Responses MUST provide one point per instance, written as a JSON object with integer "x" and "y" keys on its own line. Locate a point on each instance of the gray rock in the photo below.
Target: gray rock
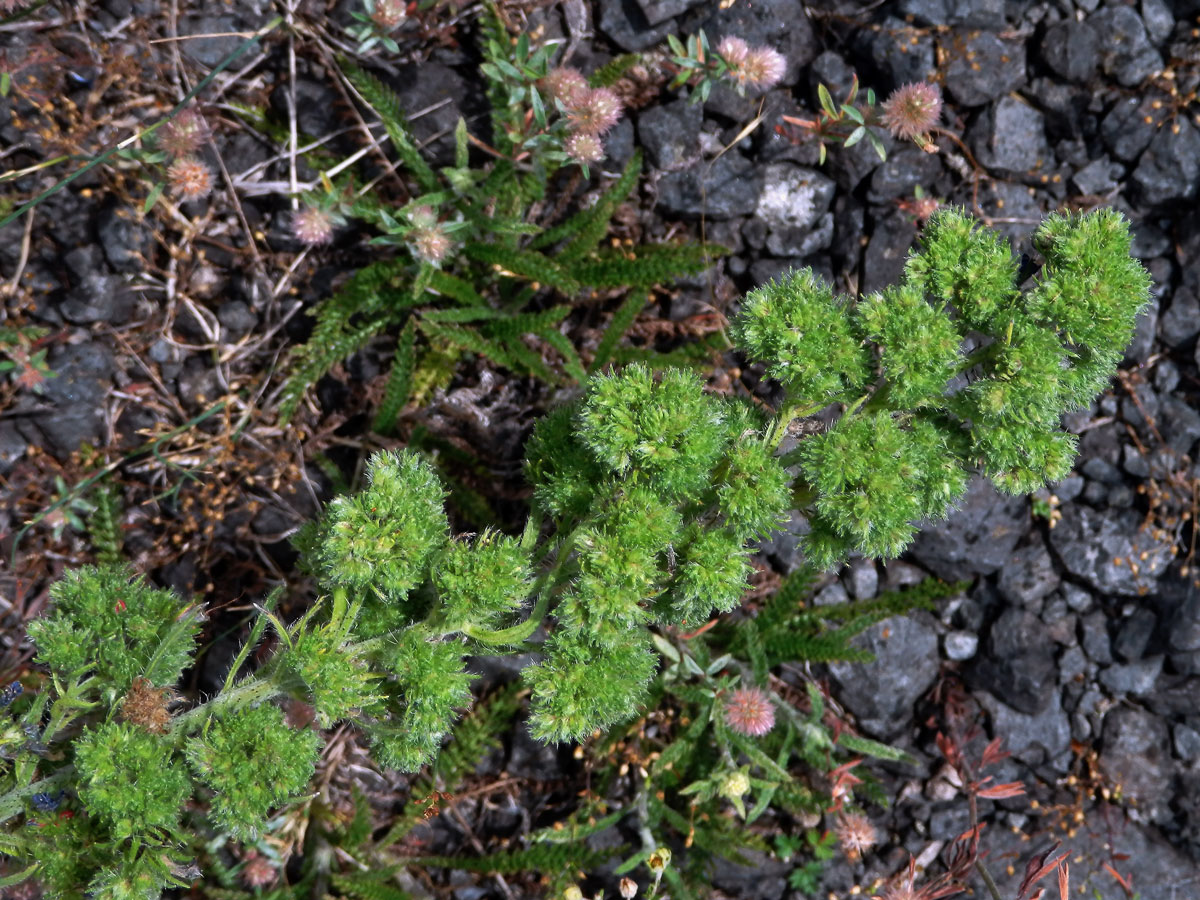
{"x": 1096, "y": 643}
{"x": 670, "y": 133}
{"x": 886, "y": 251}
{"x": 902, "y": 52}
{"x": 1186, "y": 741}
{"x": 801, "y": 242}
{"x": 1134, "y": 634}
{"x": 1098, "y": 177}
{"x": 881, "y": 693}
{"x": 1125, "y": 128}
{"x": 899, "y": 574}
{"x": 978, "y": 538}
{"x": 124, "y": 239}
{"x": 949, "y": 821}
{"x": 75, "y": 396}
{"x": 1019, "y": 665}
{"x": 783, "y": 545}
{"x": 208, "y": 51}
{"x": 626, "y": 24}
{"x": 1158, "y": 19}
{"x": 831, "y": 595}
{"x": 793, "y": 206}
{"x": 1179, "y": 423}
{"x": 441, "y": 90}
{"x": 1033, "y": 739}
{"x": 1072, "y": 665}
{"x": 1102, "y": 547}
{"x": 1184, "y": 630}
{"x": 728, "y": 188}
{"x": 1140, "y": 346}
{"x": 1061, "y": 624}
{"x": 960, "y": 645}
{"x": 1010, "y": 136}
{"x": 98, "y": 297}
{"x": 1077, "y": 598}
{"x": 1166, "y": 376}
{"x": 237, "y": 319}
{"x": 976, "y": 13}
{"x": 904, "y": 170}
{"x": 533, "y": 759}
{"x": 983, "y": 67}
{"x": 1071, "y": 49}
{"x": 1135, "y": 678}
{"x": 1028, "y": 576}
{"x": 1135, "y": 755}
{"x": 1125, "y": 49}
{"x": 317, "y": 110}
{"x": 862, "y": 579}
{"x": 1181, "y": 322}
{"x": 1169, "y": 168}
{"x": 1101, "y": 470}
{"x": 658, "y": 11}
{"x": 763, "y": 877}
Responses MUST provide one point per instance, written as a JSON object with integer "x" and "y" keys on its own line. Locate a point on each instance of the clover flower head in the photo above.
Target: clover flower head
{"x": 593, "y": 111}
{"x": 764, "y": 67}
{"x": 258, "y": 871}
{"x": 749, "y": 711}
{"x": 430, "y": 244}
{"x": 563, "y": 83}
{"x": 312, "y": 226}
{"x": 912, "y": 110}
{"x": 733, "y": 50}
{"x": 387, "y": 14}
{"x": 190, "y": 178}
{"x": 855, "y": 833}
{"x": 184, "y": 134}
{"x": 584, "y": 148}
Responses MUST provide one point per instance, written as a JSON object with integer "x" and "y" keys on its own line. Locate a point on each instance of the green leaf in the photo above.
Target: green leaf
{"x": 155, "y": 192}
{"x": 399, "y": 384}
{"x": 634, "y": 302}
{"x": 853, "y": 113}
{"x": 460, "y": 144}
{"x": 827, "y": 102}
{"x": 856, "y": 135}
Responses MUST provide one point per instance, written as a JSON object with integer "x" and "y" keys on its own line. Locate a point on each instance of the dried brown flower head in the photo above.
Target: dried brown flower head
{"x": 147, "y": 706}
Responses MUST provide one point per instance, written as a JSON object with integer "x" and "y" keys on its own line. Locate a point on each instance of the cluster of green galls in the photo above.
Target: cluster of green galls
{"x": 924, "y": 410}
{"x": 648, "y": 496}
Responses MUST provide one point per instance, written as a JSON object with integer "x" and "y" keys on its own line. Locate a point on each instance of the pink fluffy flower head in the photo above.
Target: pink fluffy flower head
{"x": 184, "y": 134}
{"x": 584, "y": 148}
{"x": 593, "y": 111}
{"x": 312, "y": 226}
{"x": 389, "y": 13}
{"x": 563, "y": 83}
{"x": 855, "y": 833}
{"x": 749, "y": 711}
{"x": 764, "y": 67}
{"x": 912, "y": 110}
{"x": 189, "y": 178}
{"x": 430, "y": 244}
{"x": 258, "y": 871}
{"x": 733, "y": 50}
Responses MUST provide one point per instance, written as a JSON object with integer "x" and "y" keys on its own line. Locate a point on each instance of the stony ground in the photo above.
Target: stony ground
{"x": 1079, "y": 637}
